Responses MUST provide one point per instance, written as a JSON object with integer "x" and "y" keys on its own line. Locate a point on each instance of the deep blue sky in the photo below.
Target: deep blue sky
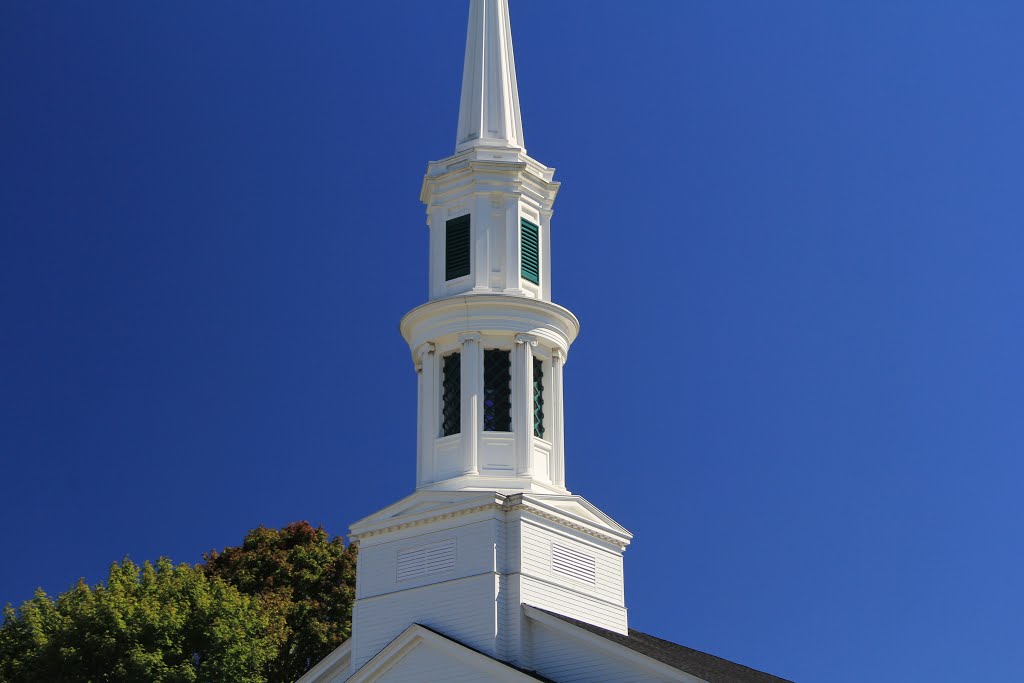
{"x": 792, "y": 232}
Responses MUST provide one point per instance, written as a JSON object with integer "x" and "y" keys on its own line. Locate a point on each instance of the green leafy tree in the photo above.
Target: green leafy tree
{"x": 307, "y": 578}
{"x": 162, "y": 623}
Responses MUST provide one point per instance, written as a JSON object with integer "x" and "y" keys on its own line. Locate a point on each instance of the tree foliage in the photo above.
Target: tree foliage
{"x": 263, "y": 612}
{"x": 307, "y": 578}
{"x": 161, "y": 623}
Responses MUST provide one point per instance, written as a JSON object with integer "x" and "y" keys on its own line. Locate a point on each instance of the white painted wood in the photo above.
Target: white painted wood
{"x": 489, "y": 111}
{"x": 464, "y": 609}
{"x": 568, "y": 654}
{"x": 334, "y": 668}
{"x": 418, "y": 655}
{"x": 493, "y": 553}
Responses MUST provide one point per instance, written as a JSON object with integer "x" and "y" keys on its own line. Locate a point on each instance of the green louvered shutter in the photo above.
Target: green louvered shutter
{"x": 530, "y": 235}
{"x": 456, "y": 248}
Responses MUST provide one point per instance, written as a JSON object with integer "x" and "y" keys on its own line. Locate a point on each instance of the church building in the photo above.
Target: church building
{"x": 492, "y": 570}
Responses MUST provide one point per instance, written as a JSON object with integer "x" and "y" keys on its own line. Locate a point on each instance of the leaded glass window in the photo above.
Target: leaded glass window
{"x": 456, "y": 248}
{"x": 497, "y": 390}
{"x": 451, "y": 395}
{"x": 530, "y": 235}
{"x": 538, "y": 398}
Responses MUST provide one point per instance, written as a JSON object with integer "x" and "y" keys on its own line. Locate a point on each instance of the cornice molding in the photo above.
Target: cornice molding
{"x": 514, "y": 503}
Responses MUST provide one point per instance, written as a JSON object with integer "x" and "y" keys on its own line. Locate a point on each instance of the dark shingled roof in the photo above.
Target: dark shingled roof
{"x": 700, "y": 664}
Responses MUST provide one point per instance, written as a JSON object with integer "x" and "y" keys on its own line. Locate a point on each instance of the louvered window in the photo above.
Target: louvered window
{"x": 451, "y": 395}
{"x": 538, "y": 398}
{"x": 497, "y": 390}
{"x": 456, "y": 248}
{"x": 573, "y": 563}
{"x": 432, "y": 558}
{"x": 530, "y": 235}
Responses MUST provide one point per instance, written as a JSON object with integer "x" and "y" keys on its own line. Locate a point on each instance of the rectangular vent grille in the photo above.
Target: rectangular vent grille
{"x": 456, "y": 248}
{"x": 432, "y": 558}
{"x": 580, "y": 566}
{"x": 531, "y": 251}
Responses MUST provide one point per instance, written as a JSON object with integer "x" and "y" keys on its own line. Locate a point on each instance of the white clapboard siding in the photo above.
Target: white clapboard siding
{"x": 604, "y": 583}
{"x": 464, "y": 609}
{"x": 568, "y": 660}
{"x": 424, "y": 664}
{"x": 472, "y": 553}
{"x": 555, "y": 598}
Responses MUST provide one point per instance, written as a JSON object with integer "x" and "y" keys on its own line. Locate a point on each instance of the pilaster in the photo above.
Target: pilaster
{"x": 522, "y": 397}
{"x": 545, "y": 254}
{"x": 427, "y": 418}
{"x": 556, "y": 425}
{"x": 472, "y": 396}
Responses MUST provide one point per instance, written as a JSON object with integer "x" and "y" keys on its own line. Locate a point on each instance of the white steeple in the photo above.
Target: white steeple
{"x": 490, "y": 344}
{"x": 491, "y": 525}
{"x": 489, "y": 111}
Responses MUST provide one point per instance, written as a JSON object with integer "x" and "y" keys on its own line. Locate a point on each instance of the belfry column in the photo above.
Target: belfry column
{"x": 557, "y": 410}
{"x": 522, "y": 393}
{"x": 472, "y": 396}
{"x": 427, "y": 418}
{"x": 513, "y": 255}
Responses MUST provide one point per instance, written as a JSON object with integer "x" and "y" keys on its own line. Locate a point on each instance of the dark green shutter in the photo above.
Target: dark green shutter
{"x": 530, "y": 235}
{"x": 451, "y": 395}
{"x": 456, "y": 248}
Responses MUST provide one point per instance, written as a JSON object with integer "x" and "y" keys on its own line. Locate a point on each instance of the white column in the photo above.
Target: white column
{"x": 522, "y": 402}
{"x": 545, "y": 255}
{"x": 513, "y": 251}
{"x": 472, "y": 396}
{"x": 437, "y": 220}
{"x": 555, "y": 421}
{"x": 426, "y": 415}
{"x": 480, "y": 235}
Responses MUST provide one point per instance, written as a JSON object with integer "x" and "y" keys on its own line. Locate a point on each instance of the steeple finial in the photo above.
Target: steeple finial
{"x": 489, "y": 112}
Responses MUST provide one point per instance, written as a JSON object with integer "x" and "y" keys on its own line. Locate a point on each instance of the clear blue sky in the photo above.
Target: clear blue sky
{"x": 792, "y": 232}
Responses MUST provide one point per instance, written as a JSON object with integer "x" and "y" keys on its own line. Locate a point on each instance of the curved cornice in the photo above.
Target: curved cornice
{"x": 498, "y": 313}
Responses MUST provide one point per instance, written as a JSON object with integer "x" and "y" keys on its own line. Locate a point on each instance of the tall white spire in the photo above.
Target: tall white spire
{"x": 489, "y": 111}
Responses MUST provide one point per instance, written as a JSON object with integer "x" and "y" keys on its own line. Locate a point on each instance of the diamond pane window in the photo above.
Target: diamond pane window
{"x": 451, "y": 395}
{"x": 456, "y": 248}
{"x": 497, "y": 390}
{"x": 538, "y": 398}
{"x": 530, "y": 235}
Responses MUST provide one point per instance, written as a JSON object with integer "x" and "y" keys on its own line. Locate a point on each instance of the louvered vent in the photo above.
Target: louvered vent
{"x": 456, "y": 248}
{"x": 531, "y": 251}
{"x": 580, "y": 566}
{"x": 432, "y": 558}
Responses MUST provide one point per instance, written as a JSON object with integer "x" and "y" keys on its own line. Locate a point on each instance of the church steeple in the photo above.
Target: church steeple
{"x": 491, "y": 525}
{"x": 490, "y": 344}
{"x": 489, "y": 111}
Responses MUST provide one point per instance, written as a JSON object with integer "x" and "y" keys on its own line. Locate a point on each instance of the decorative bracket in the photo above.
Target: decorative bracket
{"x": 424, "y": 349}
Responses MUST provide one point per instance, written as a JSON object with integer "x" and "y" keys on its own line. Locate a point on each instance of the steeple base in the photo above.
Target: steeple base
{"x": 463, "y": 563}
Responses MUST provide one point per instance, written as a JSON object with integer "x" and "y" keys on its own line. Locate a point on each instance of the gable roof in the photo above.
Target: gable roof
{"x": 694, "y": 662}
{"x": 418, "y": 638}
